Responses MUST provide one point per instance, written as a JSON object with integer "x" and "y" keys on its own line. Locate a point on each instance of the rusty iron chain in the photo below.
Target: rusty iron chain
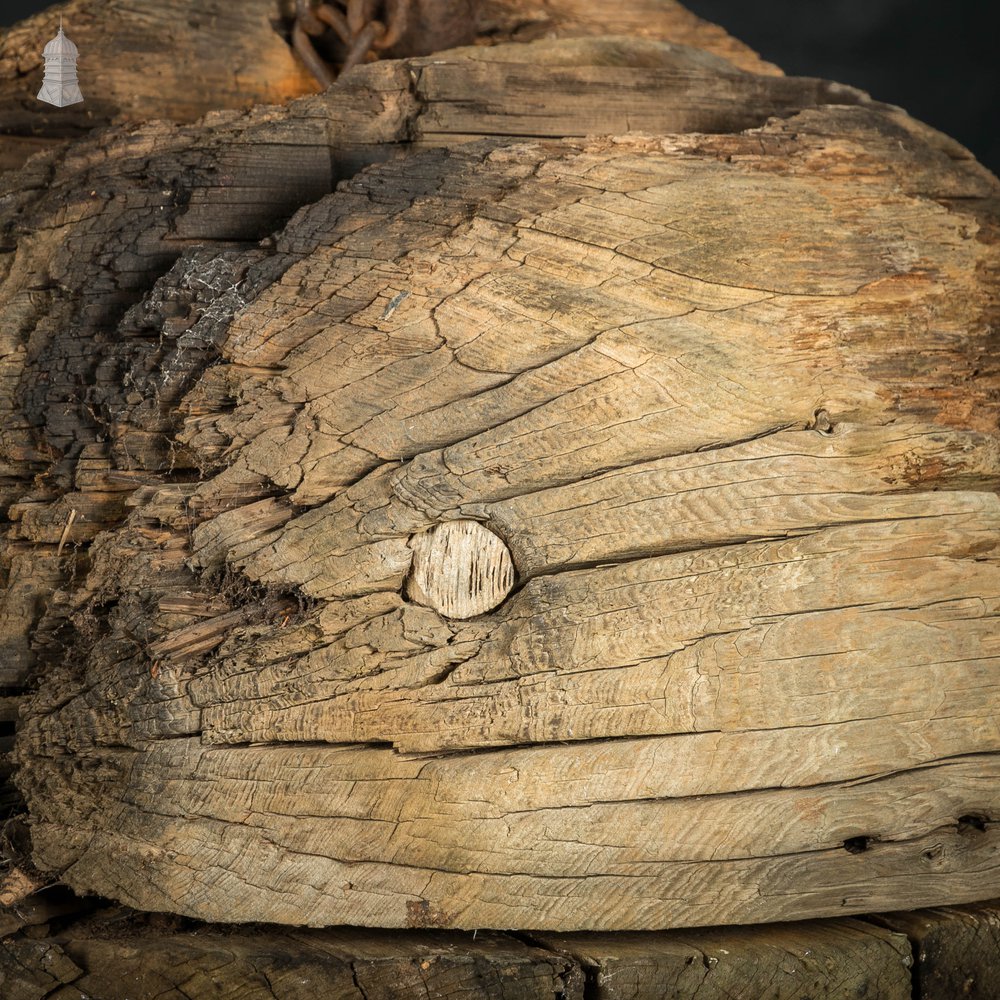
{"x": 365, "y": 27}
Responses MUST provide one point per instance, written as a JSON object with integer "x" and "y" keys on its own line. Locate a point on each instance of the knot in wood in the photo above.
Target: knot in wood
{"x": 460, "y": 568}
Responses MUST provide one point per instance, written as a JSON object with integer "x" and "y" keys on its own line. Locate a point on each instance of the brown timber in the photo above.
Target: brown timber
{"x": 723, "y": 389}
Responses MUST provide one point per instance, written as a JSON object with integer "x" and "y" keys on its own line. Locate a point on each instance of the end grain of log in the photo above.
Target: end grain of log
{"x": 460, "y": 568}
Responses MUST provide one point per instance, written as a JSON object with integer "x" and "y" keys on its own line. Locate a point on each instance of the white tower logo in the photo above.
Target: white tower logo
{"x": 59, "y": 87}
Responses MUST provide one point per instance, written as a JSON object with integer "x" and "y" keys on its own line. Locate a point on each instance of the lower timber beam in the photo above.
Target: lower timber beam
{"x": 956, "y": 950}
{"x": 114, "y": 953}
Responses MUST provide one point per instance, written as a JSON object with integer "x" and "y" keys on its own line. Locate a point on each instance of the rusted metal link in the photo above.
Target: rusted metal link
{"x": 356, "y": 25}
{"x": 359, "y": 13}
{"x": 397, "y": 17}
{"x": 362, "y": 44}
{"x": 309, "y": 55}
{"x": 336, "y": 20}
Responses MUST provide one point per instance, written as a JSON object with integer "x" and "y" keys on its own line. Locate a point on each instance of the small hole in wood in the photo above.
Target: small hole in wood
{"x": 972, "y": 823}
{"x": 856, "y": 845}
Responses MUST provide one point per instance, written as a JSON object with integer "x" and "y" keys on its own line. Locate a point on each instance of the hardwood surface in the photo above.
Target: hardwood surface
{"x": 726, "y": 394}
{"x": 114, "y": 954}
{"x": 821, "y": 960}
{"x": 956, "y": 949}
{"x": 180, "y": 59}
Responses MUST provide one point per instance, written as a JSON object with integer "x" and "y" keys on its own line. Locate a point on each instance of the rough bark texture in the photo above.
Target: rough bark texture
{"x": 726, "y": 394}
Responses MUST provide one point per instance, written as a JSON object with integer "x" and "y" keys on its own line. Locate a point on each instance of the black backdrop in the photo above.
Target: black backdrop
{"x": 939, "y": 59}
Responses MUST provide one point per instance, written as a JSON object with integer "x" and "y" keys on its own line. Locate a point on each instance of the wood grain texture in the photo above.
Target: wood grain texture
{"x": 146, "y": 197}
{"x": 728, "y": 399}
{"x": 956, "y": 949}
{"x": 237, "y": 55}
{"x": 114, "y": 954}
{"x": 822, "y": 960}
{"x": 648, "y": 19}
{"x": 460, "y": 569}
{"x": 495, "y": 89}
{"x": 234, "y": 57}
{"x": 101, "y": 958}
{"x": 117, "y": 954}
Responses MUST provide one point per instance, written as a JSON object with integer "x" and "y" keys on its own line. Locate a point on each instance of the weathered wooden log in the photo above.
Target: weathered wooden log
{"x": 146, "y": 195}
{"x": 116, "y": 954}
{"x": 956, "y": 950}
{"x": 561, "y": 534}
{"x": 180, "y": 59}
{"x": 100, "y": 959}
{"x": 822, "y": 960}
{"x": 232, "y": 57}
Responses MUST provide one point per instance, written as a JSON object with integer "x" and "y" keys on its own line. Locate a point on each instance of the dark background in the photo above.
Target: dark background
{"x": 939, "y": 59}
